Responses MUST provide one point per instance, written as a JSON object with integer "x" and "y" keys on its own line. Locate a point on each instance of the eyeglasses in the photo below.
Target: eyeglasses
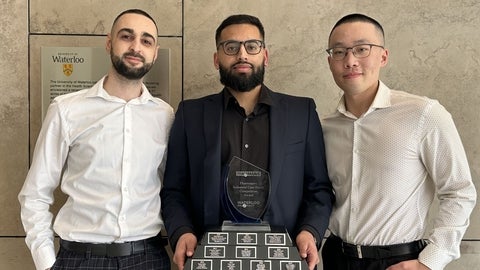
{"x": 359, "y": 51}
{"x": 232, "y": 47}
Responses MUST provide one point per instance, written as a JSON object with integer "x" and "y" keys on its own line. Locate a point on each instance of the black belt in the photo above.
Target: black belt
{"x": 379, "y": 252}
{"x": 113, "y": 249}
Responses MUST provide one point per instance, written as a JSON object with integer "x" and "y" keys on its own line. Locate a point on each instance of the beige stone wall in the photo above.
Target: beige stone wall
{"x": 434, "y": 51}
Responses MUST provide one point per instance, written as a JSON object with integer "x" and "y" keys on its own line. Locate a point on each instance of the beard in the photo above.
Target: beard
{"x": 130, "y": 72}
{"x": 241, "y": 82}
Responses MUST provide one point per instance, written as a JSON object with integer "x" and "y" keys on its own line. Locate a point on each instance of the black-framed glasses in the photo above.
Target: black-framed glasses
{"x": 232, "y": 47}
{"x": 359, "y": 51}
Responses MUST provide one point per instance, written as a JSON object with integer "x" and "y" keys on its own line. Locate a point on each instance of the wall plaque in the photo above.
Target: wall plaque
{"x": 69, "y": 69}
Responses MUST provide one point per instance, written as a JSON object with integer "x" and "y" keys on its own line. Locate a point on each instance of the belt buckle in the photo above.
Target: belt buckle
{"x": 359, "y": 251}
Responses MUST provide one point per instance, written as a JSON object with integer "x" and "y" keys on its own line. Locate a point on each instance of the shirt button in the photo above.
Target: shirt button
{"x": 246, "y": 145}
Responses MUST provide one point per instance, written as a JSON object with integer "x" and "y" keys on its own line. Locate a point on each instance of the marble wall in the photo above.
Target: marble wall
{"x": 433, "y": 51}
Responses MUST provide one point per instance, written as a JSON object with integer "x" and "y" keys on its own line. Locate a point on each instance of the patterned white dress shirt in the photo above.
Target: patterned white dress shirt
{"x": 386, "y": 167}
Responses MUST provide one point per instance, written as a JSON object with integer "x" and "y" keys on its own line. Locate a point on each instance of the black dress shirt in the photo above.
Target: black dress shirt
{"x": 246, "y": 136}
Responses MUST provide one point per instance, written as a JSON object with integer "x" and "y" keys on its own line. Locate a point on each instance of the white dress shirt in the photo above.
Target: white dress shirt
{"x": 385, "y": 167}
{"x": 109, "y": 156}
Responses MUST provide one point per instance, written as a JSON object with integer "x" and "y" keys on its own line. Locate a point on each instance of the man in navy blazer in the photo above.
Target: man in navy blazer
{"x": 277, "y": 132}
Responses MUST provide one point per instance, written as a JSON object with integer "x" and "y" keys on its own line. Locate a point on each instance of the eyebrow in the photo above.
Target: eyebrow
{"x": 129, "y": 30}
{"x": 356, "y": 42}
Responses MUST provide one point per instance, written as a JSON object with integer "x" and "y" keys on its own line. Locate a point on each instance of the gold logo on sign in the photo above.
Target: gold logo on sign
{"x": 67, "y": 69}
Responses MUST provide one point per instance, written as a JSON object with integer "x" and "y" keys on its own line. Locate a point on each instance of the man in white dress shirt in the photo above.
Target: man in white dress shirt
{"x": 388, "y": 154}
{"x": 106, "y": 148}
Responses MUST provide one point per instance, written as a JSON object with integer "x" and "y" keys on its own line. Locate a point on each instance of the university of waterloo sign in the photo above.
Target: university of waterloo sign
{"x": 69, "y": 69}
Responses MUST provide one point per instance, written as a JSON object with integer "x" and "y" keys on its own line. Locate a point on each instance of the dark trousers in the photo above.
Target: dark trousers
{"x": 334, "y": 259}
{"x": 153, "y": 258}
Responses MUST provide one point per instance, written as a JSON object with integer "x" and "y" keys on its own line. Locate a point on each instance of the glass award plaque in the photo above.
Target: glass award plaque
{"x": 247, "y": 191}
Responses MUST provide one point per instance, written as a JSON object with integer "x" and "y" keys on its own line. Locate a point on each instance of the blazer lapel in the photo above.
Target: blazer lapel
{"x": 212, "y": 120}
{"x": 278, "y": 128}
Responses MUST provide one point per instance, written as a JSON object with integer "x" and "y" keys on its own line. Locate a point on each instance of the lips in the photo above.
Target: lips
{"x": 352, "y": 75}
{"x": 243, "y": 67}
{"x": 134, "y": 59}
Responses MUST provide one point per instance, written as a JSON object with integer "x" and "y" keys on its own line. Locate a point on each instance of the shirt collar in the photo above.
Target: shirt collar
{"x": 264, "y": 98}
{"x": 381, "y": 100}
{"x": 97, "y": 90}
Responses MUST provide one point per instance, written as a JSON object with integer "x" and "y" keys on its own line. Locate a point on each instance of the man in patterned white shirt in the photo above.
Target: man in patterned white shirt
{"x": 388, "y": 154}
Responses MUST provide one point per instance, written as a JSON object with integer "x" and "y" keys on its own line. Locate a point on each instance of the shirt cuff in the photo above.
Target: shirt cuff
{"x": 44, "y": 257}
{"x": 434, "y": 258}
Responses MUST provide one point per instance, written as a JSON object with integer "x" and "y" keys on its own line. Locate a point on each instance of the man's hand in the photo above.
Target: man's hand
{"x": 307, "y": 249}
{"x": 408, "y": 265}
{"x": 185, "y": 247}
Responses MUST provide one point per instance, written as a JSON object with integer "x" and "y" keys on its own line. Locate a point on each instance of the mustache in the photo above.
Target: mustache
{"x": 133, "y": 54}
{"x": 242, "y": 63}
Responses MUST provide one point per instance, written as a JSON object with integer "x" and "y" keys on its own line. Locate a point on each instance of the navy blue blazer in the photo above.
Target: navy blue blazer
{"x": 301, "y": 192}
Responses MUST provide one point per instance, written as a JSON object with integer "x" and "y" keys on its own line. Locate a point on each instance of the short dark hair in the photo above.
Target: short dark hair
{"x": 239, "y": 19}
{"x": 357, "y": 17}
{"x": 135, "y": 11}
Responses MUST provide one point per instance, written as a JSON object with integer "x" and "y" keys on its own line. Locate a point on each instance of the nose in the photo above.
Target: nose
{"x": 135, "y": 45}
{"x": 242, "y": 52}
{"x": 350, "y": 60}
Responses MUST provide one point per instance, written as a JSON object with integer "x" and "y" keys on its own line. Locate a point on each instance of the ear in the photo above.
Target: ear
{"x": 215, "y": 61}
{"x": 156, "y": 54}
{"x": 384, "y": 60}
{"x": 330, "y": 63}
{"x": 265, "y": 58}
{"x": 108, "y": 43}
